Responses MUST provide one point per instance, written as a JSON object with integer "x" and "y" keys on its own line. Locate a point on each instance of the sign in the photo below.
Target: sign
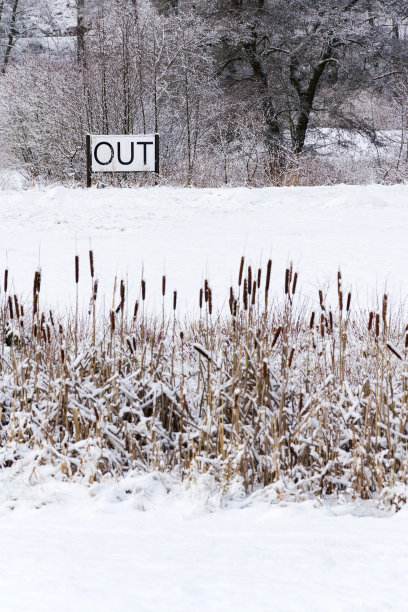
{"x": 126, "y": 153}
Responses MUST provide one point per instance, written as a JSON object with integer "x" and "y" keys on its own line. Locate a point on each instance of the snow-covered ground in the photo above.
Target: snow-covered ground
{"x": 147, "y": 543}
{"x": 191, "y": 233}
{"x": 98, "y": 550}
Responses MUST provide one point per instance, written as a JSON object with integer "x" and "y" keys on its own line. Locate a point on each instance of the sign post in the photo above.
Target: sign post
{"x": 122, "y": 153}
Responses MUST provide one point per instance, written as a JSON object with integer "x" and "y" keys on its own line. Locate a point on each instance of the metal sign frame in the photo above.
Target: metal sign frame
{"x": 89, "y": 170}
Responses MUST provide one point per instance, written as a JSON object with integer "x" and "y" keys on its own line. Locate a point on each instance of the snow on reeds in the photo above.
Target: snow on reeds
{"x": 272, "y": 392}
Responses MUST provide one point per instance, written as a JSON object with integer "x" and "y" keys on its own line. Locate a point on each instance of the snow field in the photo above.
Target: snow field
{"x": 190, "y": 234}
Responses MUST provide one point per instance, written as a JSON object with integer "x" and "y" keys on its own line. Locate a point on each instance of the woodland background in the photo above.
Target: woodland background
{"x": 242, "y": 92}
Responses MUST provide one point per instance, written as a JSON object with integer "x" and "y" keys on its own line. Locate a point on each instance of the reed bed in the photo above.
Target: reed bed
{"x": 272, "y": 393}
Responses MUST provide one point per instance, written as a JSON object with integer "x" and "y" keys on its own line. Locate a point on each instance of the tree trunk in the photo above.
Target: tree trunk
{"x": 273, "y": 134}
{"x": 81, "y": 32}
{"x": 11, "y": 36}
{"x": 306, "y": 94}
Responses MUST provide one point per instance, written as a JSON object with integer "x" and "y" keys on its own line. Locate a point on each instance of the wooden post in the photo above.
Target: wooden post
{"x": 156, "y": 157}
{"x": 88, "y": 161}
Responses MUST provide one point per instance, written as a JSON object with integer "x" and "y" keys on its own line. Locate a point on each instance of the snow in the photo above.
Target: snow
{"x": 98, "y": 550}
{"x": 161, "y": 546}
{"x": 190, "y": 234}
{"x": 148, "y": 542}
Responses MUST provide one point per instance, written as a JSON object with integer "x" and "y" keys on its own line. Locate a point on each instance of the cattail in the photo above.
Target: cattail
{"x": 377, "y": 325}
{"x": 241, "y": 270}
{"x": 35, "y": 283}
{"x": 287, "y": 280}
{"x": 35, "y": 303}
{"x": 249, "y": 280}
{"x": 331, "y": 321}
{"x": 292, "y": 352}
{"x": 10, "y": 305}
{"x": 122, "y": 293}
{"x": 163, "y": 285}
{"x": 136, "y": 308}
{"x": 16, "y": 306}
{"x": 209, "y": 301}
{"x": 231, "y": 301}
{"x": 264, "y": 369}
{"x": 200, "y": 299}
{"x": 42, "y": 319}
{"x": 268, "y": 277}
{"x": 348, "y": 301}
{"x": 312, "y": 318}
{"x": 60, "y": 329}
{"x": 294, "y": 283}
{"x": 259, "y": 278}
{"x": 384, "y": 308}
{"x": 174, "y": 300}
{"x": 253, "y": 293}
{"x": 143, "y": 289}
{"x": 341, "y": 301}
{"x": 276, "y": 336}
{"x": 322, "y": 321}
{"x": 130, "y": 347}
{"x": 370, "y": 320}
{"x": 5, "y": 280}
{"x": 181, "y": 336}
{"x": 77, "y": 269}
{"x": 206, "y": 290}
{"x": 48, "y": 333}
{"x": 22, "y": 310}
{"x": 321, "y": 299}
{"x": 112, "y": 321}
{"x": 91, "y": 263}
{"x": 338, "y": 281}
{"x": 95, "y": 289}
{"x": 245, "y": 294}
{"x": 406, "y": 340}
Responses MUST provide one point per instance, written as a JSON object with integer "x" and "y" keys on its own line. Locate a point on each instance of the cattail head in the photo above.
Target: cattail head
{"x": 384, "y": 308}
{"x": 377, "y": 325}
{"x": 143, "y": 289}
{"x": 241, "y": 271}
{"x": 174, "y": 300}
{"x": 10, "y": 305}
{"x": 253, "y": 293}
{"x": 209, "y": 301}
{"x": 245, "y": 294}
{"x": 112, "y": 321}
{"x": 200, "y": 299}
{"x": 312, "y": 318}
{"x": 348, "y": 301}
{"x": 77, "y": 269}
{"x": 16, "y": 306}
{"x": 370, "y": 320}
{"x": 95, "y": 289}
{"x": 276, "y": 336}
{"x": 321, "y": 300}
{"x": 164, "y": 285}
{"x": 268, "y": 276}
{"x": 122, "y": 292}
{"x": 91, "y": 263}
{"x": 206, "y": 290}
{"x": 259, "y": 278}
{"x": 294, "y": 283}
{"x": 287, "y": 281}
{"x": 135, "y": 310}
{"x": 249, "y": 280}
{"x": 5, "y": 280}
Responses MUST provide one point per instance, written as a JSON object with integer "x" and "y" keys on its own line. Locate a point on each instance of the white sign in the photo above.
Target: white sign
{"x": 134, "y": 153}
